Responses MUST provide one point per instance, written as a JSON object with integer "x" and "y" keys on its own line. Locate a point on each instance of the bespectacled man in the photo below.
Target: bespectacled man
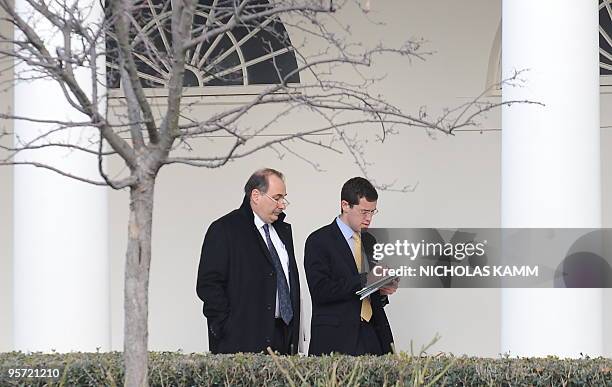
{"x": 247, "y": 277}
{"x": 337, "y": 258}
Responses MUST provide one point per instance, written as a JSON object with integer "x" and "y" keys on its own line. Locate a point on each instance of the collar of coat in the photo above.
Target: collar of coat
{"x": 246, "y": 210}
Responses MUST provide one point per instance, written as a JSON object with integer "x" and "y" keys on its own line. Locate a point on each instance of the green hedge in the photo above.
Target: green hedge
{"x": 177, "y": 369}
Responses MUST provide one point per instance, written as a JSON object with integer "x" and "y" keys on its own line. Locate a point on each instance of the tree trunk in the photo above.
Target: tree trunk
{"x": 136, "y": 297}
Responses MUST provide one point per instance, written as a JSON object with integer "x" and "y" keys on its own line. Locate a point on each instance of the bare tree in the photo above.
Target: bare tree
{"x": 142, "y": 46}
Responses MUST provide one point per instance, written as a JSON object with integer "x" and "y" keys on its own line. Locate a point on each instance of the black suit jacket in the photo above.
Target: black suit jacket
{"x": 237, "y": 282}
{"x": 333, "y": 280}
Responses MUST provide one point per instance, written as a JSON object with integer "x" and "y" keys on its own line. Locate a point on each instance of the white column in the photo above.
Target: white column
{"x": 551, "y": 163}
{"x": 61, "y": 265}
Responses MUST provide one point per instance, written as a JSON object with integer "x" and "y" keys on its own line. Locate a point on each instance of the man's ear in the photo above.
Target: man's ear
{"x": 344, "y": 205}
{"x": 255, "y": 195}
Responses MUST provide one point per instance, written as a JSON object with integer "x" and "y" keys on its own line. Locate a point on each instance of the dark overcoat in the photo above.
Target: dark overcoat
{"x": 237, "y": 283}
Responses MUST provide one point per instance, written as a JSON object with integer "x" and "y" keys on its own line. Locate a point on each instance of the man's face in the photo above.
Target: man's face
{"x": 360, "y": 215}
{"x": 269, "y": 205}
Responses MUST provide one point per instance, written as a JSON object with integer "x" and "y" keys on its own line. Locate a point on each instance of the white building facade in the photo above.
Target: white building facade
{"x": 528, "y": 166}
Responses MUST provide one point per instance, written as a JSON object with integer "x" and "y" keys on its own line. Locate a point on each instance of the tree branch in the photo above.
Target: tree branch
{"x": 120, "y": 20}
{"x": 119, "y": 185}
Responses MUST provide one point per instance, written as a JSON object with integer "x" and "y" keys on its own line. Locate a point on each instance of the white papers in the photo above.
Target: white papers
{"x": 369, "y": 289}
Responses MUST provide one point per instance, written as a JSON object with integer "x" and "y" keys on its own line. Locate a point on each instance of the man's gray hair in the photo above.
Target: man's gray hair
{"x": 259, "y": 180}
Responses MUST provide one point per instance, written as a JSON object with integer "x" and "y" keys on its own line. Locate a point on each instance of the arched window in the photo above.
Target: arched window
{"x": 259, "y": 52}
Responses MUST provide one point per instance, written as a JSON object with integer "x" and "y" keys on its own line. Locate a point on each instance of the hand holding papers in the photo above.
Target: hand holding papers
{"x": 375, "y": 283}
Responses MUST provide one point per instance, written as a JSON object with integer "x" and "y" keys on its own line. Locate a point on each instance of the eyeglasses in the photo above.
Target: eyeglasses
{"x": 280, "y": 201}
{"x": 367, "y": 212}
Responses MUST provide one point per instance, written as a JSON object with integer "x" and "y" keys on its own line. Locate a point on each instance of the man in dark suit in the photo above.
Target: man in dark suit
{"x": 248, "y": 276}
{"x": 336, "y": 259}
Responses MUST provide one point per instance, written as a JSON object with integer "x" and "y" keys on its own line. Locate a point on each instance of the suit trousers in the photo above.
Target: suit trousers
{"x": 368, "y": 342}
{"x": 281, "y": 339}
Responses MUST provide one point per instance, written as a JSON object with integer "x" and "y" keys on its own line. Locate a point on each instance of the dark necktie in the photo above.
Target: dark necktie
{"x": 284, "y": 299}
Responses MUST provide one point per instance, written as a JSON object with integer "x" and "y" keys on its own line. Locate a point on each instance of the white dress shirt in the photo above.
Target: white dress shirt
{"x": 349, "y": 236}
{"x": 280, "y": 249}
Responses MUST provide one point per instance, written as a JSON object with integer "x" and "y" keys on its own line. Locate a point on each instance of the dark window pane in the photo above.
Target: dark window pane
{"x": 190, "y": 79}
{"x": 605, "y": 22}
{"x": 229, "y": 62}
{"x": 267, "y": 72}
{"x": 234, "y": 78}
